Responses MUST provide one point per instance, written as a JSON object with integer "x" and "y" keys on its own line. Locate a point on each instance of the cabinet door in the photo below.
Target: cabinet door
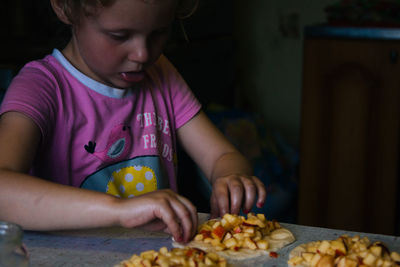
{"x": 350, "y": 135}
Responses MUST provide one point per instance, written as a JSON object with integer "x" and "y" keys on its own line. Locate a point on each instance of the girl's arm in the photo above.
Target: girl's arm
{"x": 230, "y": 174}
{"x": 37, "y": 204}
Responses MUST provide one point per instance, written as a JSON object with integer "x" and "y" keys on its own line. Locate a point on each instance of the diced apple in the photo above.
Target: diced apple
{"x": 213, "y": 256}
{"x": 229, "y": 243}
{"x": 312, "y": 247}
{"x": 363, "y": 254}
{"x": 351, "y": 263}
{"x": 307, "y": 256}
{"x": 326, "y": 261}
{"x": 249, "y": 243}
{"x": 216, "y": 224}
{"x": 295, "y": 261}
{"x": 228, "y": 235}
{"x": 249, "y": 230}
{"x": 208, "y": 261}
{"x": 198, "y": 237}
{"x": 330, "y": 251}
{"x": 225, "y": 223}
{"x": 387, "y": 263}
{"x": 205, "y": 233}
{"x": 379, "y": 262}
{"x": 237, "y": 229}
{"x": 215, "y": 242}
{"x": 232, "y": 219}
{"x": 376, "y": 250}
{"x": 146, "y": 263}
{"x": 315, "y": 259}
{"x": 362, "y": 247}
{"x": 262, "y": 244}
{"x": 261, "y": 217}
{"x": 324, "y": 246}
{"x": 150, "y": 254}
{"x": 369, "y": 259}
{"x": 339, "y": 246}
{"x": 341, "y": 261}
{"x": 276, "y": 225}
{"x": 255, "y": 221}
{"x": 238, "y": 236}
{"x": 218, "y": 232}
{"x": 395, "y": 256}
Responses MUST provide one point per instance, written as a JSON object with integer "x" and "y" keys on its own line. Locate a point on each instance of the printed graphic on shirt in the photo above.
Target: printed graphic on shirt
{"x": 153, "y": 140}
{"x": 132, "y": 181}
{"x": 118, "y": 145}
{"x": 129, "y": 178}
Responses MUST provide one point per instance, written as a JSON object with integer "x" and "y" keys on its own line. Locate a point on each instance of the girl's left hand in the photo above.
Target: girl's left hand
{"x": 232, "y": 192}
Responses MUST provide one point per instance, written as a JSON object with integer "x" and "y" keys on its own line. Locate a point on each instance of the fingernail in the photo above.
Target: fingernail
{"x": 246, "y": 211}
{"x": 260, "y": 204}
{"x": 180, "y": 239}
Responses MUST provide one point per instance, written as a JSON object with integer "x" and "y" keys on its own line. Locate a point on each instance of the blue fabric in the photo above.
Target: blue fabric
{"x": 6, "y": 76}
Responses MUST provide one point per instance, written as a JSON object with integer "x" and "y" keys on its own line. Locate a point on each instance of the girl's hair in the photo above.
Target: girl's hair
{"x": 73, "y": 8}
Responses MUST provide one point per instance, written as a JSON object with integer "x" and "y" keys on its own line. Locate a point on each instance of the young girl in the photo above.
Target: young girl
{"x": 88, "y": 134}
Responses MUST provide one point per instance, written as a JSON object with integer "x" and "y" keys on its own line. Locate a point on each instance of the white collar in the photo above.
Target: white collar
{"x": 89, "y": 82}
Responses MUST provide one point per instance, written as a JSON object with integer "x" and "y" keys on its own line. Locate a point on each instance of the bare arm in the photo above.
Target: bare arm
{"x": 234, "y": 185}
{"x": 42, "y": 205}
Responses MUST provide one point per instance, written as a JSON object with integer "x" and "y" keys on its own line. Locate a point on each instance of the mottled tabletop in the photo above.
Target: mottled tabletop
{"x": 109, "y": 246}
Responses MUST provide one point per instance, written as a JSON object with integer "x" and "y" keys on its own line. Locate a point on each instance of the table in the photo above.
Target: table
{"x": 109, "y": 246}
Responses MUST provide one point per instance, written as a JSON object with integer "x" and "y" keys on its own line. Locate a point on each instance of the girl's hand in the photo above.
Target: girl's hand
{"x": 232, "y": 192}
{"x": 161, "y": 210}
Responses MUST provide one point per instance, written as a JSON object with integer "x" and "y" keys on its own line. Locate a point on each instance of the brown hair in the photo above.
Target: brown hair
{"x": 74, "y": 8}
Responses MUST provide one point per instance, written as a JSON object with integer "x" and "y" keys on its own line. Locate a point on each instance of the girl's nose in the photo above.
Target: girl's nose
{"x": 138, "y": 51}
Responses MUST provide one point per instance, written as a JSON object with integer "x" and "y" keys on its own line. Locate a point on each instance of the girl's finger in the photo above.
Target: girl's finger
{"x": 250, "y": 193}
{"x": 193, "y": 213}
{"x": 184, "y": 217}
{"x": 236, "y": 191}
{"x": 167, "y": 214}
{"x": 261, "y": 191}
{"x": 214, "y": 213}
{"x": 222, "y": 197}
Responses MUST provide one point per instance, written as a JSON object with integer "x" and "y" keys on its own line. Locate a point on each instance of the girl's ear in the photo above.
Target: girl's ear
{"x": 59, "y": 9}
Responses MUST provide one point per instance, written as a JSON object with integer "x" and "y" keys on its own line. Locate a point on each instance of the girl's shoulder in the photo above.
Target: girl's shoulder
{"x": 47, "y": 67}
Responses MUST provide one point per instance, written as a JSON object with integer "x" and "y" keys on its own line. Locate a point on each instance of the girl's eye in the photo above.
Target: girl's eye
{"x": 118, "y": 36}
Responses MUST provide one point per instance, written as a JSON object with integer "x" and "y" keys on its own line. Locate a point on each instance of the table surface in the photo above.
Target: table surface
{"x": 109, "y": 246}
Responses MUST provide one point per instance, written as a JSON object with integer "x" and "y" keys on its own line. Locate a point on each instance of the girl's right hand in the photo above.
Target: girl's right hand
{"x": 161, "y": 210}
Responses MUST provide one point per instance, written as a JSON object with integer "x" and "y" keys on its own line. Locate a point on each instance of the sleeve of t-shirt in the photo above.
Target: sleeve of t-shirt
{"x": 32, "y": 93}
{"x": 185, "y": 104}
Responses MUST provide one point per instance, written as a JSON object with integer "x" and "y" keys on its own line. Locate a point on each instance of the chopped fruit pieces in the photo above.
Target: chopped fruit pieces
{"x": 344, "y": 251}
{"x": 176, "y": 257}
{"x": 218, "y": 232}
{"x": 273, "y": 254}
{"x": 234, "y": 232}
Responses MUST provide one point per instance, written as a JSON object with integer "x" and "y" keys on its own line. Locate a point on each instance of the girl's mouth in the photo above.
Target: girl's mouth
{"x": 133, "y": 76}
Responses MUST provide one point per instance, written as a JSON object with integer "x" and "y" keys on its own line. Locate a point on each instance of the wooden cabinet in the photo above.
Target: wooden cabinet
{"x": 349, "y": 174}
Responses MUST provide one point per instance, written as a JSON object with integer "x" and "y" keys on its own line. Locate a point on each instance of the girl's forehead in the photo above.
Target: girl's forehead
{"x": 136, "y": 13}
{"x": 155, "y": 2}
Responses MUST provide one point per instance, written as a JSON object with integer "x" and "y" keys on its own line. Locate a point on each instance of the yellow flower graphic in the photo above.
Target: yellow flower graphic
{"x": 132, "y": 181}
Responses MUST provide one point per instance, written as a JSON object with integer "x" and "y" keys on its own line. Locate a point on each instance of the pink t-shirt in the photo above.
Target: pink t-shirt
{"x": 122, "y": 142}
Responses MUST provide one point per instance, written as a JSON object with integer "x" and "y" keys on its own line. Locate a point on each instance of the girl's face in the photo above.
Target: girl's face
{"x": 119, "y": 42}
